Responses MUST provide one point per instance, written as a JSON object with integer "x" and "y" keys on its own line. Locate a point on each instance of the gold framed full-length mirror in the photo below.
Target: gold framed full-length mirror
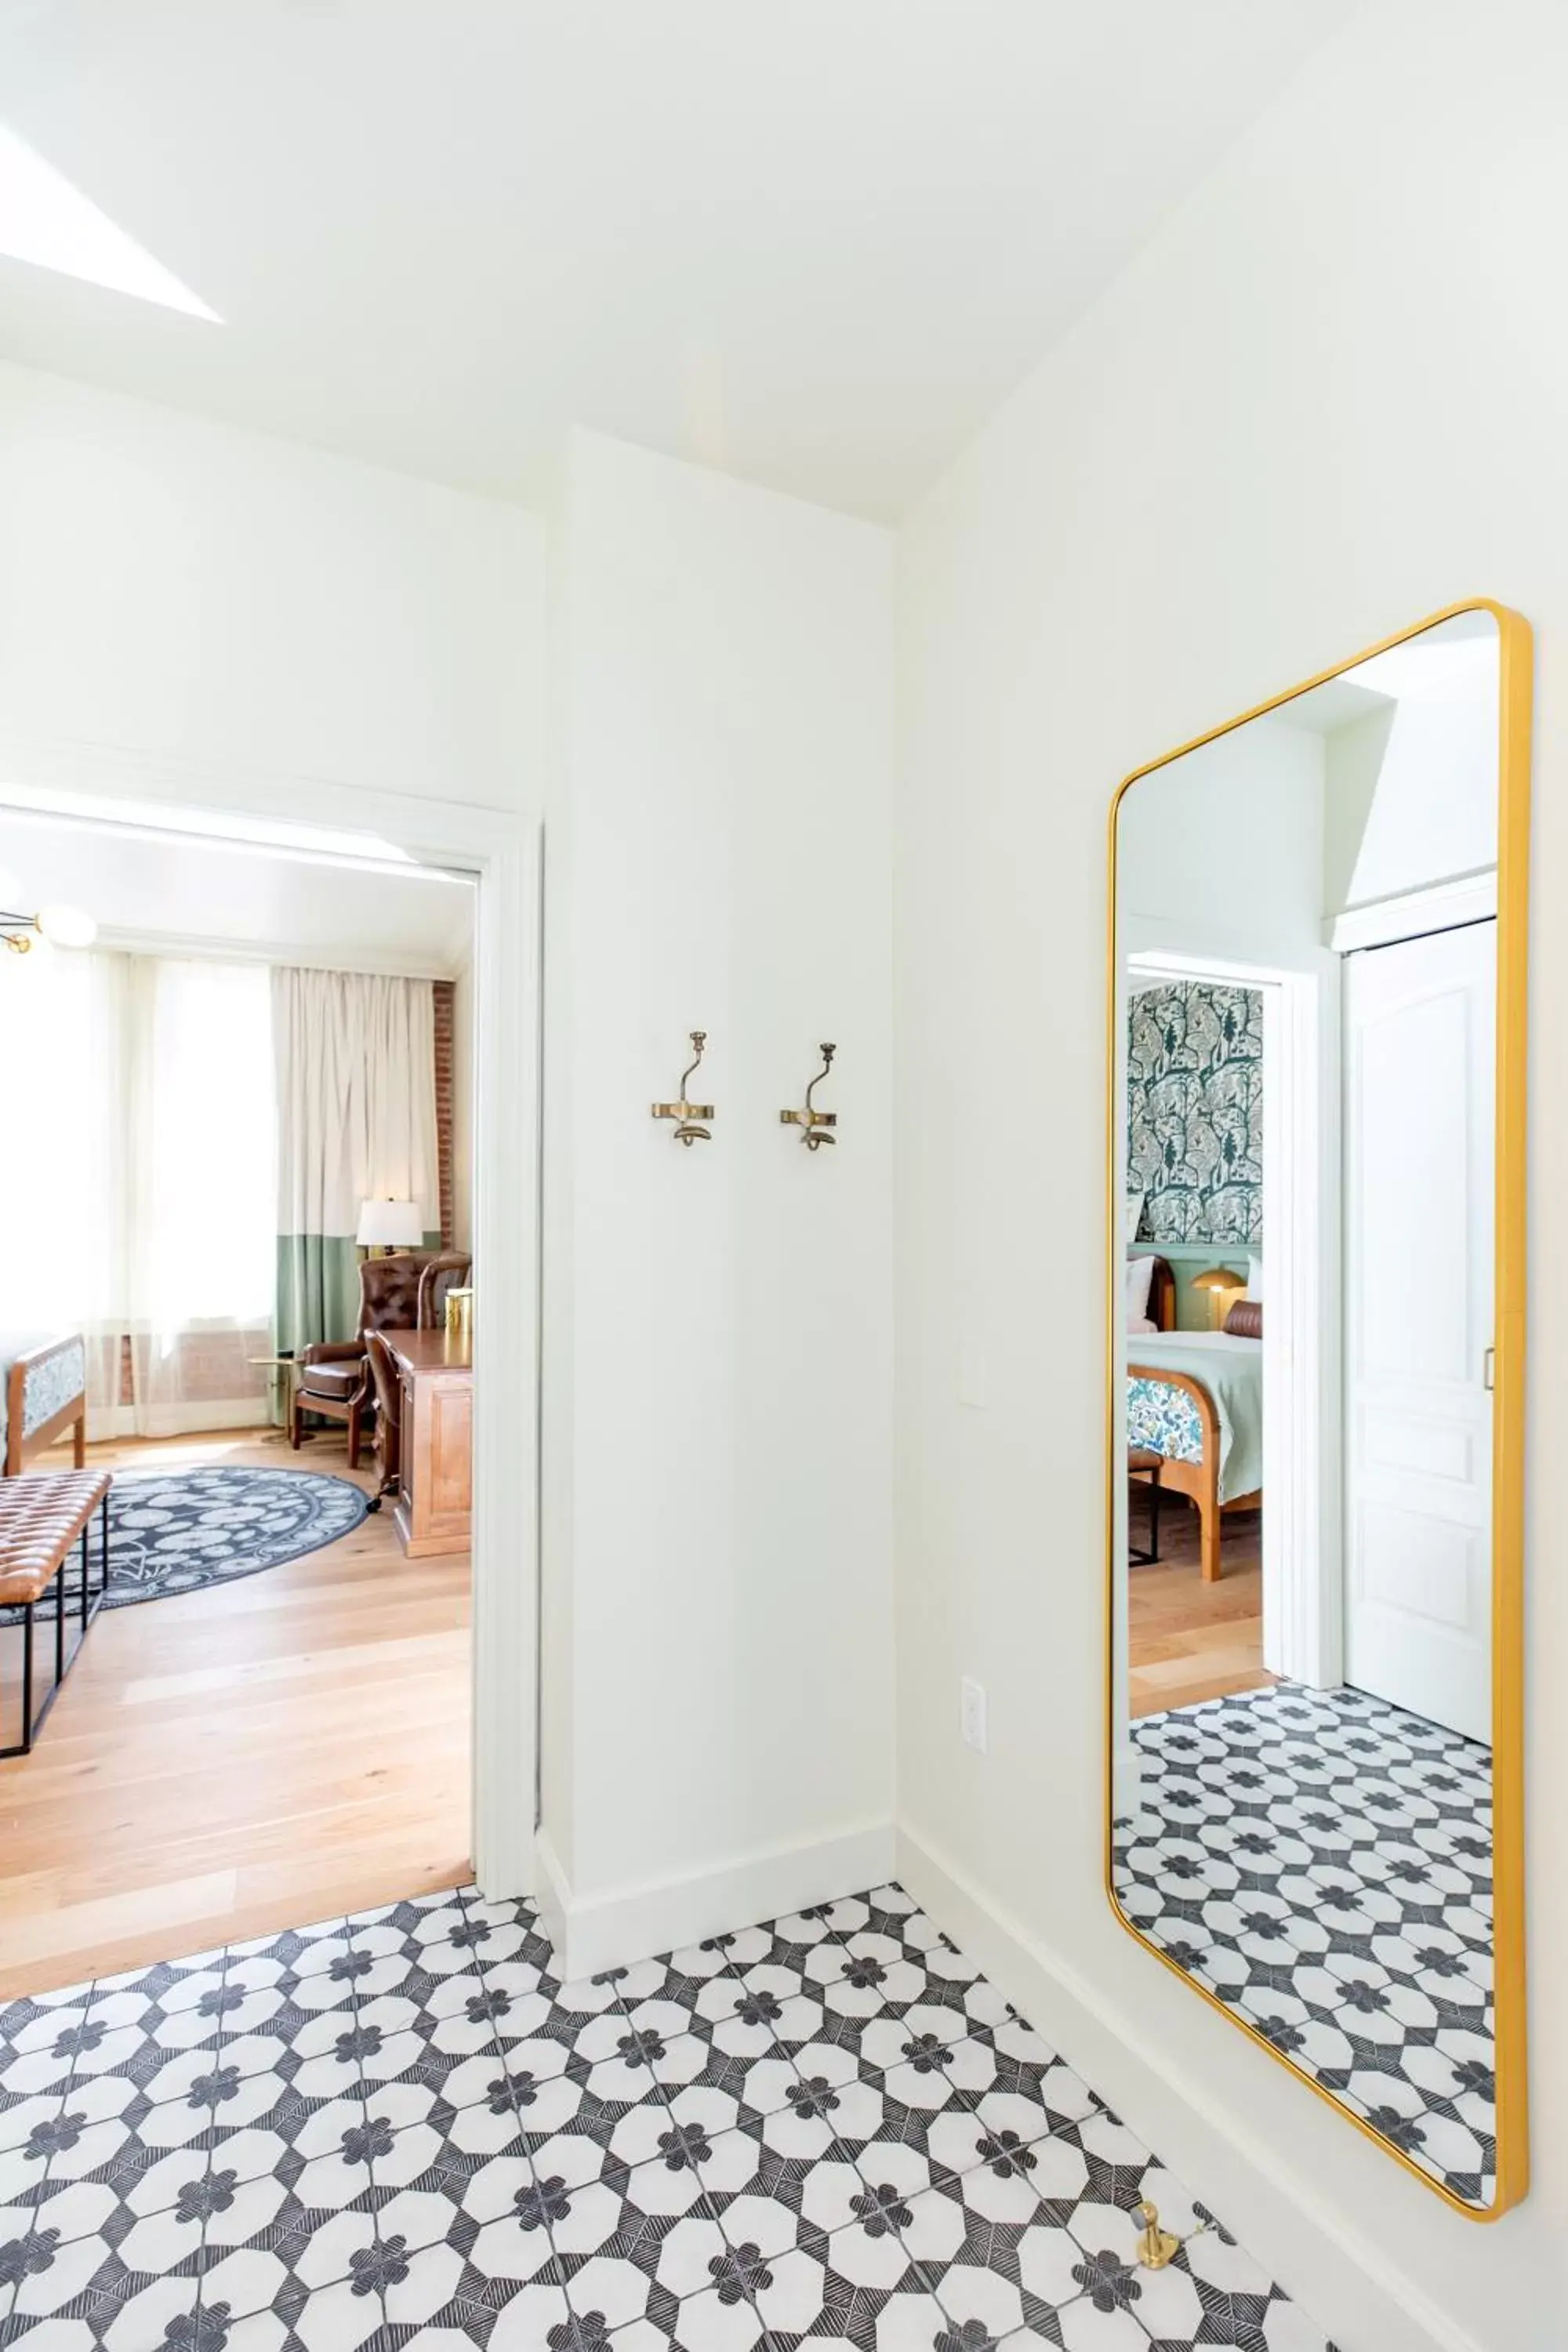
{"x": 1316, "y": 1130}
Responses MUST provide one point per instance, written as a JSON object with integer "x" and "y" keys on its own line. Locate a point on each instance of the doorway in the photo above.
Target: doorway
{"x": 1235, "y": 1598}
{"x": 479, "y": 1784}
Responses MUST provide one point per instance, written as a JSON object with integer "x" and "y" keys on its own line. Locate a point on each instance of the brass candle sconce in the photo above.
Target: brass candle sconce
{"x": 690, "y": 1115}
{"x": 813, "y": 1121}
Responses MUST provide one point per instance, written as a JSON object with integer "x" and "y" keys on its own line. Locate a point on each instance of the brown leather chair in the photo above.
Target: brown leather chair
{"x": 388, "y": 1414}
{"x": 334, "y": 1377}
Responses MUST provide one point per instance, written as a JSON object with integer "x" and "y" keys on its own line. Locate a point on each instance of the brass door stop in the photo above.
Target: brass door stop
{"x": 1156, "y": 2247}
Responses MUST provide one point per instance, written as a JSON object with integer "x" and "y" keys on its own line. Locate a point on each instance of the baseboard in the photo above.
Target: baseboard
{"x": 631, "y": 1922}
{"x": 1343, "y": 2277}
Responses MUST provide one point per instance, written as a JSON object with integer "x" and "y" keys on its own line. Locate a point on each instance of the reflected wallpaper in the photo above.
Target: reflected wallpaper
{"x": 1195, "y": 1113}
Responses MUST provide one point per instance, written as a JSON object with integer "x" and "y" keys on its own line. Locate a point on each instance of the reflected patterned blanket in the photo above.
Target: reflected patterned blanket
{"x": 1166, "y": 1419}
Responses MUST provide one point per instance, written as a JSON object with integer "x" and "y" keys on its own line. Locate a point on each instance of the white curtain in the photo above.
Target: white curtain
{"x": 136, "y": 1202}
{"x": 203, "y": 1142}
{"x": 62, "y": 1171}
{"x": 355, "y": 1059}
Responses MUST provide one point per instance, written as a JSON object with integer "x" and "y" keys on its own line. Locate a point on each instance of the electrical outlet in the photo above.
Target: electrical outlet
{"x": 972, "y": 1714}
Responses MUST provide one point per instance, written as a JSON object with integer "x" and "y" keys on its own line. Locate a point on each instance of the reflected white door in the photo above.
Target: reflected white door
{"x": 1420, "y": 1053}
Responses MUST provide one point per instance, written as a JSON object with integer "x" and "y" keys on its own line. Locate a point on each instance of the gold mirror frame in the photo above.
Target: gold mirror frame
{"x": 1515, "y": 658}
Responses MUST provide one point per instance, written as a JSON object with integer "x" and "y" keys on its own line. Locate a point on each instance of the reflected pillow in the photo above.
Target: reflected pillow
{"x": 1255, "y": 1277}
{"x": 1136, "y": 1323}
{"x": 1139, "y": 1274}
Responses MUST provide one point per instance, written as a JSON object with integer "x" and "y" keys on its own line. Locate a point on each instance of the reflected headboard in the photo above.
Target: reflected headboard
{"x": 1163, "y": 1295}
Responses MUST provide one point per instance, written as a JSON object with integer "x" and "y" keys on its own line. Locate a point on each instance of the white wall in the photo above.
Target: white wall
{"x": 1410, "y": 796}
{"x": 1221, "y": 853}
{"x": 1325, "y": 401}
{"x": 718, "y": 1368}
{"x": 176, "y": 593}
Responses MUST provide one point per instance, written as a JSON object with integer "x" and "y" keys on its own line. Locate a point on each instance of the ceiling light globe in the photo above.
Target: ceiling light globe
{"x": 66, "y": 927}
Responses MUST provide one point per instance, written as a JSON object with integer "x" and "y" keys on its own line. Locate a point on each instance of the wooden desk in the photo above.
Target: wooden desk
{"x": 434, "y": 1478}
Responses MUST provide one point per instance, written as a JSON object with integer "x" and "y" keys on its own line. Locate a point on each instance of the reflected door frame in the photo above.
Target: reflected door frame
{"x": 1303, "y": 1583}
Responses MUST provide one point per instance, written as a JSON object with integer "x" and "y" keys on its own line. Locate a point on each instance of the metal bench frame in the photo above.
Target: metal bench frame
{"x": 91, "y": 1601}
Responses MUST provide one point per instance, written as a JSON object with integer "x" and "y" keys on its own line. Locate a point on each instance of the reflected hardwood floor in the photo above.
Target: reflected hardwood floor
{"x": 233, "y": 1762}
{"x": 1188, "y": 1640}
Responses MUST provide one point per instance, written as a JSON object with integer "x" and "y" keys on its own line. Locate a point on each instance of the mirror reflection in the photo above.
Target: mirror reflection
{"x": 1306, "y": 941}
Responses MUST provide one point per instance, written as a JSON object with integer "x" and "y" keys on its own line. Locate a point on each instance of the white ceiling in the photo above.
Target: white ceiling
{"x": 150, "y": 889}
{"x": 812, "y": 241}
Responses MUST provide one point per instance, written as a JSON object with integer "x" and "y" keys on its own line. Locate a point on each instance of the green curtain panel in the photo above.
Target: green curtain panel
{"x": 318, "y": 1289}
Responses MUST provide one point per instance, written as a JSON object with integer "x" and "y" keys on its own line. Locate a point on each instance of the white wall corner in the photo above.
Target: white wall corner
{"x": 1341, "y": 2277}
{"x": 632, "y": 1922}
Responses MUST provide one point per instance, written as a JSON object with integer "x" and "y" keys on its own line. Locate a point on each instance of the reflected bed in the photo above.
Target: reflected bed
{"x": 1195, "y": 1399}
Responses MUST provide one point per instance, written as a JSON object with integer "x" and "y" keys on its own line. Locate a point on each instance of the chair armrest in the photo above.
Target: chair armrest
{"x": 332, "y": 1351}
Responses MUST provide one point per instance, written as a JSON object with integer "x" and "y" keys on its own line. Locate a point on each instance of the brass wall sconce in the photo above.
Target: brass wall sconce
{"x": 690, "y": 1115}
{"x": 813, "y": 1121}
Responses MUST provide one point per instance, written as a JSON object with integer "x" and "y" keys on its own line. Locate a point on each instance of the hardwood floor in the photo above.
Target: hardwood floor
{"x": 232, "y": 1762}
{"x": 1188, "y": 1640}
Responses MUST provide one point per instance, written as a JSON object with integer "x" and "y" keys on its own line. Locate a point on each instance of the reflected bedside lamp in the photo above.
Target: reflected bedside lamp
{"x": 389, "y": 1225}
{"x": 1221, "y": 1285}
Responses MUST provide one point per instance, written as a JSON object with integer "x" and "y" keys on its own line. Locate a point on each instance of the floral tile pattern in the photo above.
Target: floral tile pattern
{"x": 404, "y": 2128}
{"x": 1323, "y": 1861}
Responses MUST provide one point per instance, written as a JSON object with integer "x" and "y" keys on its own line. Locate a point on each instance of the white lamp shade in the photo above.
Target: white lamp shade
{"x": 66, "y": 927}
{"x": 390, "y": 1225}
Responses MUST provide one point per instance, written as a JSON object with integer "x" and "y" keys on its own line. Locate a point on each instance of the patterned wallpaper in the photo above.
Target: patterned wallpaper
{"x": 1195, "y": 1113}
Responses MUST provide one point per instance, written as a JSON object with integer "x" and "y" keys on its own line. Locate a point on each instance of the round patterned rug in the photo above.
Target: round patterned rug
{"x": 180, "y": 1530}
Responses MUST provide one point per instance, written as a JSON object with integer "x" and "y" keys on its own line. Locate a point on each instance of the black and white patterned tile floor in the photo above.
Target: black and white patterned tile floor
{"x": 401, "y": 2129}
{"x": 1323, "y": 1861}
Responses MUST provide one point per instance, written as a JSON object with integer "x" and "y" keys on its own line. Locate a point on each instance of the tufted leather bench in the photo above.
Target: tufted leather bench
{"x": 43, "y": 1516}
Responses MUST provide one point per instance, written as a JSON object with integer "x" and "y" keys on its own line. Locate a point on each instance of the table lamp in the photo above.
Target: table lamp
{"x": 390, "y": 1225}
{"x": 1219, "y": 1283}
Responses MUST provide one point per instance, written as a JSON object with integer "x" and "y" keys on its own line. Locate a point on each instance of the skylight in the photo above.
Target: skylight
{"x": 45, "y": 221}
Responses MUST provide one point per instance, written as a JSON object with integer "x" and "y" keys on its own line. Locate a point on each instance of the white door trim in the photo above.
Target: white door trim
{"x": 1445, "y": 906}
{"x": 1302, "y": 1617}
{"x": 504, "y": 849}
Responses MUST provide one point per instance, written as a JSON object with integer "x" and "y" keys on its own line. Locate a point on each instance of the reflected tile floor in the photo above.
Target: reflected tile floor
{"x": 401, "y": 2129}
{"x": 1322, "y": 1861}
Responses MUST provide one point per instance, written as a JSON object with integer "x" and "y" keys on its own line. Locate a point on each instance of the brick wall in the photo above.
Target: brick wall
{"x": 213, "y": 1366}
{"x": 444, "y": 991}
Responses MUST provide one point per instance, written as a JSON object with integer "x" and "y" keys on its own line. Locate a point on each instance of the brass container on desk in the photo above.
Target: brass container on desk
{"x": 460, "y": 1316}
